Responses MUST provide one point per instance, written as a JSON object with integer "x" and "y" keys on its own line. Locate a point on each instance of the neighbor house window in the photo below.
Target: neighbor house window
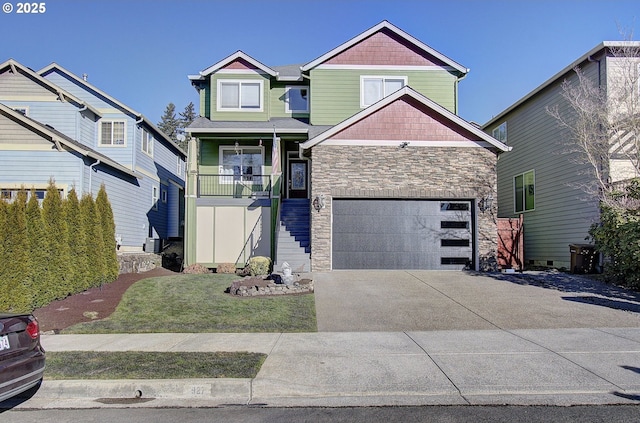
{"x": 524, "y": 191}
{"x": 154, "y": 198}
{"x": 112, "y": 133}
{"x": 297, "y": 100}
{"x": 147, "y": 142}
{"x": 245, "y": 95}
{"x": 500, "y": 133}
{"x": 241, "y": 164}
{"x": 10, "y": 194}
{"x": 179, "y": 166}
{"x": 164, "y": 196}
{"x": 375, "y": 88}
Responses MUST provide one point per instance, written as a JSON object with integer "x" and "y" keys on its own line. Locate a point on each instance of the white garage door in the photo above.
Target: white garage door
{"x": 402, "y": 234}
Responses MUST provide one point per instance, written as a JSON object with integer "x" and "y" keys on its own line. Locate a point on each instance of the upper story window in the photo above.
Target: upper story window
{"x": 154, "y": 198}
{"x": 500, "y": 132}
{"x": 375, "y": 88}
{"x": 147, "y": 142}
{"x": 179, "y": 166}
{"x": 297, "y": 100}
{"x": 524, "y": 191}
{"x": 112, "y": 132}
{"x": 240, "y": 95}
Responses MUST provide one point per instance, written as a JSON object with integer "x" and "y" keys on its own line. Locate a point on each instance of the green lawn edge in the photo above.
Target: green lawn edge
{"x": 115, "y": 365}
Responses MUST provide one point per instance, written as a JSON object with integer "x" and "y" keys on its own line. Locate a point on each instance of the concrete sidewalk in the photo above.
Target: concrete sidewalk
{"x": 520, "y": 367}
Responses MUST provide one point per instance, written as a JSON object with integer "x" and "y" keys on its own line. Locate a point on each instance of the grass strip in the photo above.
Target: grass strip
{"x": 198, "y": 303}
{"x": 151, "y": 365}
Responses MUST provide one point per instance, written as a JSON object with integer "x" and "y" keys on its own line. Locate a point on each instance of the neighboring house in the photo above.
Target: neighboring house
{"x": 540, "y": 178}
{"x": 55, "y": 125}
{"x": 355, "y": 160}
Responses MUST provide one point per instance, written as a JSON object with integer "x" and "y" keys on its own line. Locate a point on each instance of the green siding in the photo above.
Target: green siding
{"x": 335, "y": 93}
{"x": 239, "y": 115}
{"x": 562, "y": 213}
{"x": 278, "y": 90}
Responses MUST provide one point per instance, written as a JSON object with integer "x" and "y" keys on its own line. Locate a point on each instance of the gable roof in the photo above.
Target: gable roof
{"x": 385, "y": 25}
{"x": 602, "y": 46}
{"x": 406, "y": 91}
{"x": 229, "y": 59}
{"x": 61, "y": 140}
{"x": 38, "y": 79}
{"x": 139, "y": 116}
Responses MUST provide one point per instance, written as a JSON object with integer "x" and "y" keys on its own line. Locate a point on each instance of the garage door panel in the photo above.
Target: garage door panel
{"x": 401, "y": 234}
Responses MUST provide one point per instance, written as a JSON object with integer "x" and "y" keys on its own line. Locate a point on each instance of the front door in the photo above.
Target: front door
{"x": 298, "y": 179}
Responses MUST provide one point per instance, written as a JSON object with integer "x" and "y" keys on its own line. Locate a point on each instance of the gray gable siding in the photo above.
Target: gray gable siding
{"x": 16, "y": 85}
{"x": 562, "y": 213}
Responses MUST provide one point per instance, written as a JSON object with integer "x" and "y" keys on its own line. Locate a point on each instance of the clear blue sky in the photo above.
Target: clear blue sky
{"x": 141, "y": 51}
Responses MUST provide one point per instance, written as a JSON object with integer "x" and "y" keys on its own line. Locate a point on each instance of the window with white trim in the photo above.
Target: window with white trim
{"x": 296, "y": 99}
{"x": 154, "y": 198}
{"x": 147, "y": 142}
{"x": 524, "y": 191}
{"x": 10, "y": 194}
{"x": 241, "y": 164}
{"x": 179, "y": 166}
{"x": 164, "y": 196}
{"x": 375, "y": 88}
{"x": 500, "y": 132}
{"x": 112, "y": 132}
{"x": 240, "y": 95}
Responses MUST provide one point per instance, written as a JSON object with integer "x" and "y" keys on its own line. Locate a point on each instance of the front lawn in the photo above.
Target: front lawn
{"x": 198, "y": 303}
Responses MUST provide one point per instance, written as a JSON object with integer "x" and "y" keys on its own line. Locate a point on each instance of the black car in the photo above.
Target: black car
{"x": 22, "y": 357}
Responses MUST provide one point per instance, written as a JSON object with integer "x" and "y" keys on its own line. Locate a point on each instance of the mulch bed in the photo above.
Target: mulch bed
{"x": 96, "y": 302}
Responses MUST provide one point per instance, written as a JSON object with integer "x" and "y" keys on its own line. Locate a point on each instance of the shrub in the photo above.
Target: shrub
{"x": 226, "y": 268}
{"x": 617, "y": 236}
{"x": 259, "y": 265}
{"x": 196, "y": 269}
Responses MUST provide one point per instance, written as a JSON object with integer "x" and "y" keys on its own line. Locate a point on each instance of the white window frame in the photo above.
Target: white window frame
{"x": 179, "y": 166}
{"x": 240, "y": 82}
{"x": 111, "y": 144}
{"x": 287, "y": 103}
{"x": 165, "y": 196}
{"x": 154, "y": 197}
{"x": 524, "y": 198}
{"x": 500, "y": 132}
{"x": 147, "y": 139}
{"x": 363, "y": 78}
{"x": 230, "y": 179}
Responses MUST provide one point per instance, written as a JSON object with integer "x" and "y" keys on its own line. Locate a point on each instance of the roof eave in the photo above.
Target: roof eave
{"x": 237, "y": 55}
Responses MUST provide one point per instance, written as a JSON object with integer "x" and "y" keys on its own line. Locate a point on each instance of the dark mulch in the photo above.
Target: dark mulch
{"x": 96, "y": 302}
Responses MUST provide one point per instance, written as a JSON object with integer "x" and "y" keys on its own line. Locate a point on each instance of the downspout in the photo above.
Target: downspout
{"x": 591, "y": 59}
{"x": 91, "y": 174}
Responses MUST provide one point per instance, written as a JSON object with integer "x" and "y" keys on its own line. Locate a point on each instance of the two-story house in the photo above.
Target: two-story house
{"x": 543, "y": 178}
{"x": 354, "y": 160}
{"x": 55, "y": 125}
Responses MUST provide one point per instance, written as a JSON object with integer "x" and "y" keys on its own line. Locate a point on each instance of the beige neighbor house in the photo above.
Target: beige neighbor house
{"x": 541, "y": 178}
{"x": 354, "y": 160}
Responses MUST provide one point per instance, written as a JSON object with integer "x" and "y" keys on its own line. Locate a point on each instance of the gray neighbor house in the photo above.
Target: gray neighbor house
{"x": 539, "y": 178}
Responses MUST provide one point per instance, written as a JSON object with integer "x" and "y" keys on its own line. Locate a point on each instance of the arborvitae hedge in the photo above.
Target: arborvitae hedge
{"x": 55, "y": 250}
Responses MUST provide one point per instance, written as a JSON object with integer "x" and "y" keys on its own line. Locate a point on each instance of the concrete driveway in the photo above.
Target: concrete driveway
{"x": 391, "y": 301}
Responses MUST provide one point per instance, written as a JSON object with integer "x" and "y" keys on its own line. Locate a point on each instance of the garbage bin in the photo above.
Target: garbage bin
{"x": 583, "y": 258}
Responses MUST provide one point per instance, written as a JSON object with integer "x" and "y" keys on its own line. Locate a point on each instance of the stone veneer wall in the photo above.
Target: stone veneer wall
{"x": 408, "y": 173}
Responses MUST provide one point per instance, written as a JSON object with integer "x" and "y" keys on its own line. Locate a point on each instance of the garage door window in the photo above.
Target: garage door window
{"x": 454, "y": 242}
{"x": 454, "y": 206}
{"x": 448, "y": 224}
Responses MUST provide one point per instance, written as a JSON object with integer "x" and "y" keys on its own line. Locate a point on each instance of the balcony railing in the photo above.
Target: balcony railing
{"x": 235, "y": 186}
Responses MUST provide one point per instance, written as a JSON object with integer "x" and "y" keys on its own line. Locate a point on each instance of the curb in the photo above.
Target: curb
{"x": 220, "y": 391}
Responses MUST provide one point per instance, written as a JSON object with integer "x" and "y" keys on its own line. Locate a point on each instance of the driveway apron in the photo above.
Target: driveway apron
{"x": 363, "y": 301}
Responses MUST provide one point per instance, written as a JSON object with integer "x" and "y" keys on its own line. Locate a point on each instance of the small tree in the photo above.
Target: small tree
{"x": 186, "y": 118}
{"x": 105, "y": 214}
{"x": 17, "y": 263}
{"x": 56, "y": 244}
{"x": 37, "y": 250}
{"x": 95, "y": 242}
{"x": 79, "y": 270}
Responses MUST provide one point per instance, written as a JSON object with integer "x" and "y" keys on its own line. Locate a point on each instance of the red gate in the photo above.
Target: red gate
{"x": 511, "y": 243}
